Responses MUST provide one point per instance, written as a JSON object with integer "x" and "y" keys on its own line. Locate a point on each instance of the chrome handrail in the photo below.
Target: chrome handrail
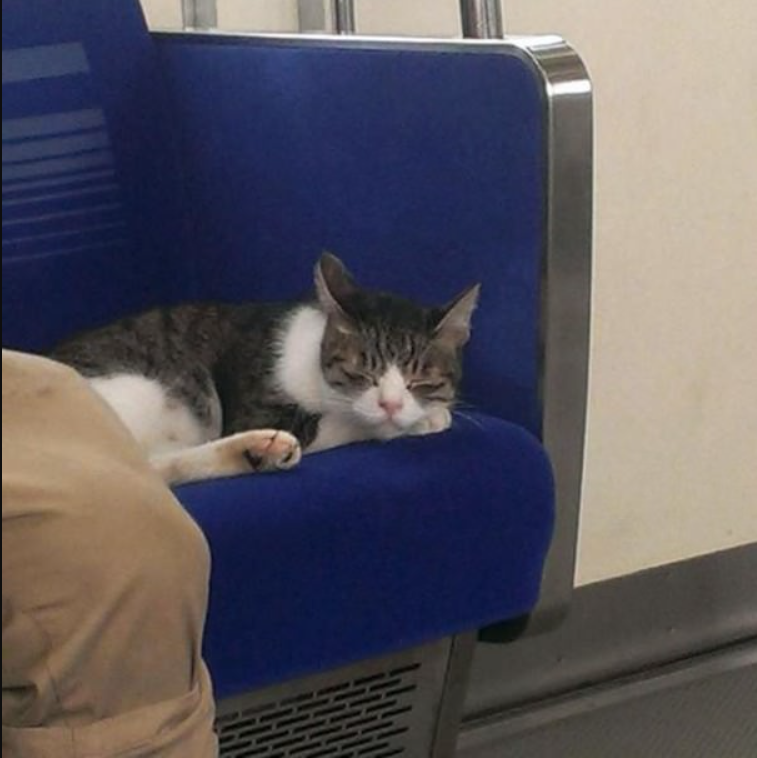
{"x": 481, "y": 19}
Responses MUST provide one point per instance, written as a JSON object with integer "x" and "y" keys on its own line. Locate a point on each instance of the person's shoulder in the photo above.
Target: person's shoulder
{"x": 25, "y": 372}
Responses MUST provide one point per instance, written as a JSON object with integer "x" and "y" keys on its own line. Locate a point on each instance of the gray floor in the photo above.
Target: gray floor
{"x": 705, "y": 708}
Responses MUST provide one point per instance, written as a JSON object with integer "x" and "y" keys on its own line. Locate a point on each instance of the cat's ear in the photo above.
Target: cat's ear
{"x": 334, "y": 286}
{"x": 454, "y": 325}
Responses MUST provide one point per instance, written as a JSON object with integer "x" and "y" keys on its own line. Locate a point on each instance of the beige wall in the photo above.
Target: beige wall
{"x": 163, "y": 14}
{"x": 429, "y": 17}
{"x": 671, "y": 468}
{"x": 439, "y": 18}
{"x": 255, "y": 15}
{"x": 258, "y": 15}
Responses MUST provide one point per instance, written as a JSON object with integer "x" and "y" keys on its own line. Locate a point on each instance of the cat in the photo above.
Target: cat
{"x": 212, "y": 390}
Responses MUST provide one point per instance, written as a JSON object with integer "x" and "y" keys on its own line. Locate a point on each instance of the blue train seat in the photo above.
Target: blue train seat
{"x": 141, "y": 170}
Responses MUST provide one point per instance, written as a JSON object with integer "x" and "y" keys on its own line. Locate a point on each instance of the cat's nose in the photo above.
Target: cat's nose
{"x": 391, "y": 407}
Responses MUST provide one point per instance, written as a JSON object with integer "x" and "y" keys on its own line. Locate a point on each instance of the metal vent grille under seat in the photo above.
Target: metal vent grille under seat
{"x": 377, "y": 709}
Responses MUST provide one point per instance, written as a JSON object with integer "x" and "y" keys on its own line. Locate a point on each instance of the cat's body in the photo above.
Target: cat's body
{"x": 213, "y": 390}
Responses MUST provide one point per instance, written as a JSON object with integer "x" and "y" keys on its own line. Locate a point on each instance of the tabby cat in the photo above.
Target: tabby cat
{"x": 212, "y": 390}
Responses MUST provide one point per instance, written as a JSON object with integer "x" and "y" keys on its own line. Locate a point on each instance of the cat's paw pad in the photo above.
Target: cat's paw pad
{"x": 437, "y": 420}
{"x": 268, "y": 449}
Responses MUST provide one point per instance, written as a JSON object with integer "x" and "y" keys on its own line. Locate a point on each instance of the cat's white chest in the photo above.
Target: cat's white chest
{"x": 298, "y": 368}
{"x": 298, "y": 374}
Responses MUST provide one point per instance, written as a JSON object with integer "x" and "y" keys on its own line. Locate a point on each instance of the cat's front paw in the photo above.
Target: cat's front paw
{"x": 266, "y": 449}
{"x": 437, "y": 420}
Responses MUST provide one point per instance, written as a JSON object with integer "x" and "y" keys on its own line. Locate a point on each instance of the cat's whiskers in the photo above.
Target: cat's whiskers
{"x": 328, "y": 403}
{"x": 470, "y": 419}
{"x": 461, "y": 402}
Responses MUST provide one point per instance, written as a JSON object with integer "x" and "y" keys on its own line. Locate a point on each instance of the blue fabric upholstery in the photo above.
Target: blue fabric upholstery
{"x": 135, "y": 175}
{"x": 371, "y": 548}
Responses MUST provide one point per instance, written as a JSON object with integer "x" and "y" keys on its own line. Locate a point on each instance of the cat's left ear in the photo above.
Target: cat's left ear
{"x": 334, "y": 286}
{"x": 454, "y": 325}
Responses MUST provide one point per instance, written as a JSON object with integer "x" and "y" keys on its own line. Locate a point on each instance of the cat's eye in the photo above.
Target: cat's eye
{"x": 359, "y": 377}
{"x": 431, "y": 392}
{"x": 426, "y": 386}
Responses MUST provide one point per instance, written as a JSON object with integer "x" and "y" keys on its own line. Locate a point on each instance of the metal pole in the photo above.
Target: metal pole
{"x": 343, "y": 13}
{"x": 482, "y": 19}
{"x": 199, "y": 14}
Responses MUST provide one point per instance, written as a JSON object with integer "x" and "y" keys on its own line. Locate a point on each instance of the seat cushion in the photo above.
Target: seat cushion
{"x": 370, "y": 548}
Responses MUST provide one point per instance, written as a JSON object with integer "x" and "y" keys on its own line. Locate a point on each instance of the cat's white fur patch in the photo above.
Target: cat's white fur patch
{"x": 298, "y": 374}
{"x": 158, "y": 422}
{"x": 298, "y": 368}
{"x": 339, "y": 429}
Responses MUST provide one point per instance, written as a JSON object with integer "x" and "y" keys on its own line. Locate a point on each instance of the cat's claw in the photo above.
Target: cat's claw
{"x": 437, "y": 420}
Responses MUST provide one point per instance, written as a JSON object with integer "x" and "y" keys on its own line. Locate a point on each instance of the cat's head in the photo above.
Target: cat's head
{"x": 388, "y": 360}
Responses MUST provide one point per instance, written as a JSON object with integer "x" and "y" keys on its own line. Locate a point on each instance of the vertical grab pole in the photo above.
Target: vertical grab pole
{"x": 199, "y": 14}
{"x": 343, "y": 14}
{"x": 482, "y": 19}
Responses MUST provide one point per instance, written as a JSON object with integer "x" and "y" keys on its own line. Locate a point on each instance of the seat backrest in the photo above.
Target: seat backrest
{"x": 220, "y": 168}
{"x": 90, "y": 217}
{"x": 423, "y": 168}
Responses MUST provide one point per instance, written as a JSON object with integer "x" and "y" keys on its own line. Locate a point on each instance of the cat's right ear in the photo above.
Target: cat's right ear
{"x": 455, "y": 324}
{"x": 334, "y": 286}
